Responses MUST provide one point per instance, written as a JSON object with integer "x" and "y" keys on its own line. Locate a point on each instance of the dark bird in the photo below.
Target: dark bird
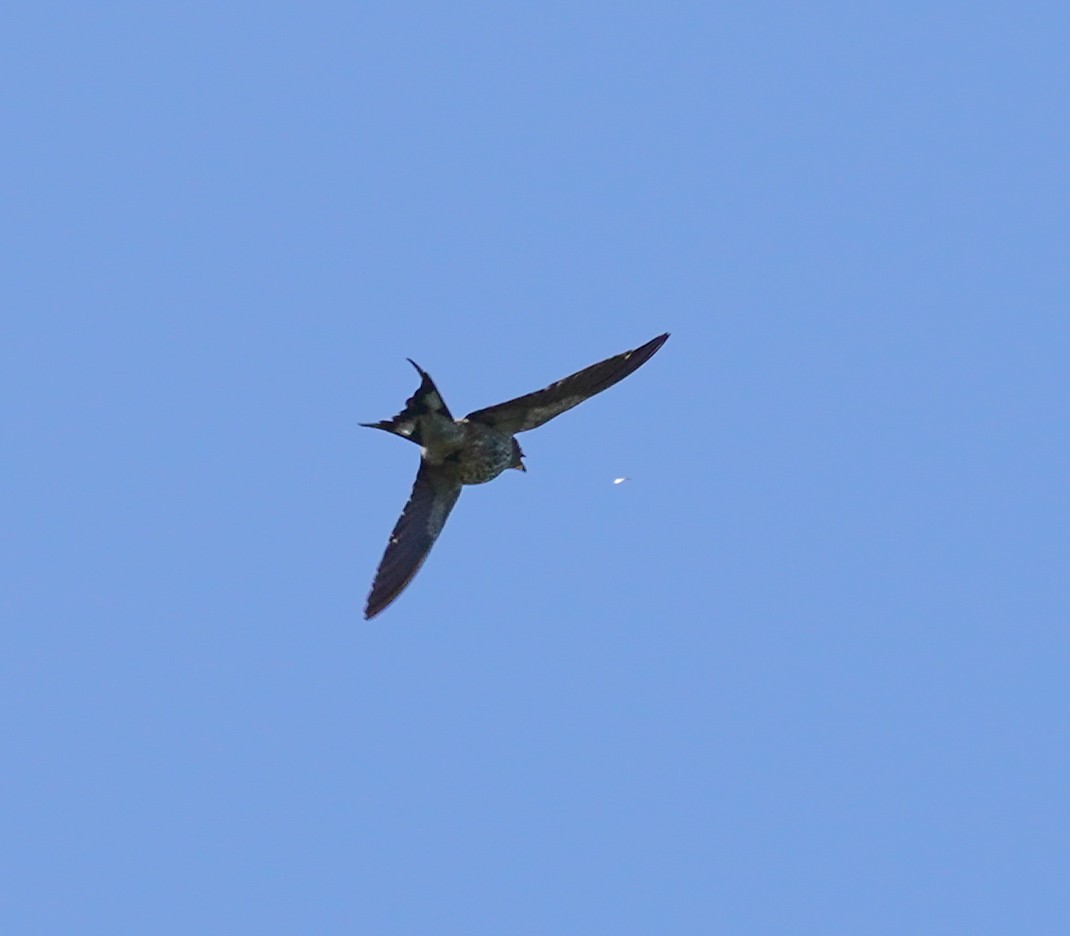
{"x": 472, "y": 450}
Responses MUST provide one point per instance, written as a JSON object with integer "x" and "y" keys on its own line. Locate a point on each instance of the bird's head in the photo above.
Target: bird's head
{"x": 517, "y": 456}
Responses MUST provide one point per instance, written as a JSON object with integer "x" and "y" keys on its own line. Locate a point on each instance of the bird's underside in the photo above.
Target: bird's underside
{"x": 472, "y": 450}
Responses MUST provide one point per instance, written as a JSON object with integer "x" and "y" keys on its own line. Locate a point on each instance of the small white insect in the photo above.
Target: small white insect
{"x": 621, "y": 480}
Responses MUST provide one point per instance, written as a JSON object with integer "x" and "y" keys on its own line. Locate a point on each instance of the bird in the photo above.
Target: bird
{"x": 473, "y": 450}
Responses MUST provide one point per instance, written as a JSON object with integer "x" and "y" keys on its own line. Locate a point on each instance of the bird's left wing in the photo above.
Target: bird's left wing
{"x": 432, "y": 499}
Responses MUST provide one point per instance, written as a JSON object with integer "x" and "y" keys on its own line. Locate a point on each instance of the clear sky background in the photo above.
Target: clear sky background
{"x": 805, "y": 673}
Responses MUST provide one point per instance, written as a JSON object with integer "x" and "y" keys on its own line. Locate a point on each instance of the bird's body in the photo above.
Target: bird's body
{"x": 484, "y": 454}
{"x": 470, "y": 452}
{"x": 473, "y": 450}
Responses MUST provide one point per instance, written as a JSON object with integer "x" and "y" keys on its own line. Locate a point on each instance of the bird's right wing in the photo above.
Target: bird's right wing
{"x": 533, "y": 409}
{"x": 432, "y": 499}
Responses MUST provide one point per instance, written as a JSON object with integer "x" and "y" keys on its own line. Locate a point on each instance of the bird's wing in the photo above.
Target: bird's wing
{"x": 534, "y": 409}
{"x": 425, "y": 404}
{"x": 432, "y": 499}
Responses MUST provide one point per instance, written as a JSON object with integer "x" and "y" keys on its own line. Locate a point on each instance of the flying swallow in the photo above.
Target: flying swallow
{"x": 473, "y": 450}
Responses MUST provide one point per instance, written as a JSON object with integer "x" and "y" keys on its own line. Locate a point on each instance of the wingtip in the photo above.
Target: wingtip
{"x": 654, "y": 344}
{"x": 651, "y": 348}
{"x": 371, "y": 610}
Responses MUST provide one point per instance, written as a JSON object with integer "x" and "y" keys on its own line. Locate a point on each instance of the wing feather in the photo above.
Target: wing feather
{"x": 432, "y": 499}
{"x": 533, "y": 409}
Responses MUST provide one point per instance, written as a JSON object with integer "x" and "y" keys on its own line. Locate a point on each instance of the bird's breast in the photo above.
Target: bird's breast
{"x": 483, "y": 455}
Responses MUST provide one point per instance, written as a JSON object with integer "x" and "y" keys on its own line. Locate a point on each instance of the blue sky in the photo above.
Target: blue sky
{"x": 804, "y": 673}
